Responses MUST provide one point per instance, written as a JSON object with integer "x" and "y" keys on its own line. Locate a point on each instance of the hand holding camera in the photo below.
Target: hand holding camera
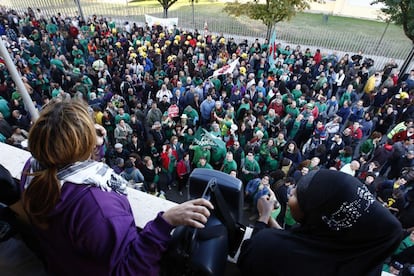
{"x": 265, "y": 205}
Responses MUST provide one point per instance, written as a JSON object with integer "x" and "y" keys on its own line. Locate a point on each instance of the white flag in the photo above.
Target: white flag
{"x": 228, "y": 68}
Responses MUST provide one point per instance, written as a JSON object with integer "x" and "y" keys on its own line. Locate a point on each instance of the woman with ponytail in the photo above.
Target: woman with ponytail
{"x": 78, "y": 207}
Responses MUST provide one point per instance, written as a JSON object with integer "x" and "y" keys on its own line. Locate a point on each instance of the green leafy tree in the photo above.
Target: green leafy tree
{"x": 269, "y": 13}
{"x": 401, "y": 12}
{"x": 166, "y": 4}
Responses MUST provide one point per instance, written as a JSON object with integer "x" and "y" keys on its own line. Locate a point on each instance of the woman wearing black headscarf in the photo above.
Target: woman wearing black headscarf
{"x": 343, "y": 230}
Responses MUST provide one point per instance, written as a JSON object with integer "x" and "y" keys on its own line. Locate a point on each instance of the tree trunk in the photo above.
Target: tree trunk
{"x": 406, "y": 63}
{"x": 269, "y": 31}
{"x": 165, "y": 12}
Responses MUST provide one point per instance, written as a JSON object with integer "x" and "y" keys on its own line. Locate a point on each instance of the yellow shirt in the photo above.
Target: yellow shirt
{"x": 98, "y": 117}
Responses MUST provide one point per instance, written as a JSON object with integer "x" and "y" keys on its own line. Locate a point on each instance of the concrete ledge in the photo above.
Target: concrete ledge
{"x": 144, "y": 206}
{"x": 13, "y": 159}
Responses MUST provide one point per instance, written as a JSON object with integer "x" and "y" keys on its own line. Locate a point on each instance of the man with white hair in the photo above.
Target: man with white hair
{"x": 250, "y": 81}
{"x": 260, "y": 88}
{"x": 180, "y": 88}
{"x": 350, "y": 168}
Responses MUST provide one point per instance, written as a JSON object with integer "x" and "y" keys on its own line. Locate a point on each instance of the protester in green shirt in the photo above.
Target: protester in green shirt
{"x": 251, "y": 168}
{"x": 229, "y": 164}
{"x": 199, "y": 152}
{"x": 292, "y": 110}
{"x": 203, "y": 164}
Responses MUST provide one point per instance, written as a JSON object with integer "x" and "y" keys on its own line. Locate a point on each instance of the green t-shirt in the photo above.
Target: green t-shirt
{"x": 275, "y": 212}
{"x": 289, "y": 220}
{"x": 191, "y": 113}
{"x": 172, "y": 164}
{"x": 4, "y": 107}
{"x": 77, "y": 52}
{"x": 217, "y": 154}
{"x": 296, "y": 93}
{"x": 124, "y": 117}
{"x": 229, "y": 166}
{"x": 345, "y": 97}
{"x": 206, "y": 166}
{"x": 271, "y": 164}
{"x": 111, "y": 25}
{"x": 294, "y": 112}
{"x": 321, "y": 106}
{"x": 253, "y": 168}
{"x": 55, "y": 92}
{"x": 244, "y": 106}
{"x": 58, "y": 63}
{"x": 295, "y": 129}
{"x": 216, "y": 83}
{"x": 51, "y": 28}
{"x": 367, "y": 147}
{"x": 78, "y": 61}
{"x": 199, "y": 152}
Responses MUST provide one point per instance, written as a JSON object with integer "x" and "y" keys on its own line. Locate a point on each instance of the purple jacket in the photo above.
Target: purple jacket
{"x": 92, "y": 232}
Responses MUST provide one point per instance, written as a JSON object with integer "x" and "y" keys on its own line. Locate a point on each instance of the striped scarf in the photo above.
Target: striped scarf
{"x": 87, "y": 172}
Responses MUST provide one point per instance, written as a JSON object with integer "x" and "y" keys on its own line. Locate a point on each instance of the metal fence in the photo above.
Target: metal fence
{"x": 240, "y": 28}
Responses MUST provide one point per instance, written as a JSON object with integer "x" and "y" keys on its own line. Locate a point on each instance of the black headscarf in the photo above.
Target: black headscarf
{"x": 345, "y": 231}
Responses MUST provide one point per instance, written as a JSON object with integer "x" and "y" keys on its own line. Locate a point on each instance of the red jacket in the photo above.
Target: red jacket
{"x": 181, "y": 168}
{"x": 279, "y": 108}
{"x": 73, "y": 31}
{"x": 357, "y": 133}
{"x": 317, "y": 58}
{"x": 400, "y": 136}
{"x": 165, "y": 159}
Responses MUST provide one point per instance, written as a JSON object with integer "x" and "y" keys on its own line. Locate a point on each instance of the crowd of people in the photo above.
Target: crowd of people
{"x": 164, "y": 103}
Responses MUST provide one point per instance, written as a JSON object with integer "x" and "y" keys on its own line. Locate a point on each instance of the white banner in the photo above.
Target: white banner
{"x": 228, "y": 68}
{"x": 169, "y": 22}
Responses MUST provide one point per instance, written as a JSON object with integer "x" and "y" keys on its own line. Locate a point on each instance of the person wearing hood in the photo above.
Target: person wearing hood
{"x": 384, "y": 153}
{"x": 342, "y": 231}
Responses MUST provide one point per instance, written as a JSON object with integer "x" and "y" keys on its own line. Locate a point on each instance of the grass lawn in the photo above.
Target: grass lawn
{"x": 345, "y": 25}
{"x": 341, "y": 33}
